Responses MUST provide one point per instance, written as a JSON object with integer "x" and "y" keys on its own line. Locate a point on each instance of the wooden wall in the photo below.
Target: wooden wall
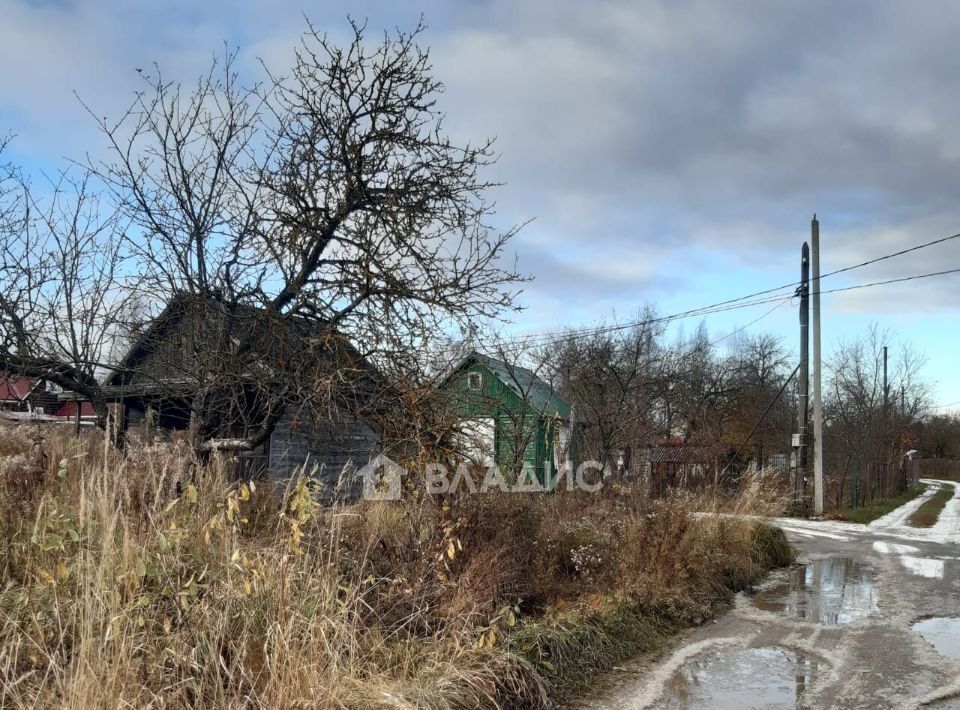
{"x": 336, "y": 446}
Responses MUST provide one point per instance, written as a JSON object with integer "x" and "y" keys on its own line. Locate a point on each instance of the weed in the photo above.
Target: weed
{"x": 153, "y": 579}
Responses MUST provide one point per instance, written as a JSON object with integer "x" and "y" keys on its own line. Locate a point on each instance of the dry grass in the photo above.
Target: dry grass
{"x": 929, "y": 511}
{"x": 868, "y": 513}
{"x": 150, "y": 580}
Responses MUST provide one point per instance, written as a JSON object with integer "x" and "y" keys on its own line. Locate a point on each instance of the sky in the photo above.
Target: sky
{"x": 668, "y": 152}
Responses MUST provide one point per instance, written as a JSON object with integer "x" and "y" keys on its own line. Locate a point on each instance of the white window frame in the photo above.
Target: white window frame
{"x": 471, "y": 380}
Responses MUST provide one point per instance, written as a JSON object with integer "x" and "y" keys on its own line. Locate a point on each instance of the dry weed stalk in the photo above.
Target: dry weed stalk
{"x": 150, "y": 579}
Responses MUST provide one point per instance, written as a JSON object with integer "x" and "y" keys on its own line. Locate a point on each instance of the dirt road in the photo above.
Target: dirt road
{"x": 869, "y": 617}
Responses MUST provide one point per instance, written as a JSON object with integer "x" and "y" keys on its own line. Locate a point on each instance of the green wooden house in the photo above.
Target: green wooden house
{"x": 509, "y": 416}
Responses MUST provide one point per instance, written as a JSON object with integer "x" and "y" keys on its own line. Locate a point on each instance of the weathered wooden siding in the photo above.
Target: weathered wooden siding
{"x": 334, "y": 446}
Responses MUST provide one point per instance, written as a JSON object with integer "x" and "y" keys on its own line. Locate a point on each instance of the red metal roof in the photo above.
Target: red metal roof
{"x": 15, "y": 389}
{"x": 69, "y": 409}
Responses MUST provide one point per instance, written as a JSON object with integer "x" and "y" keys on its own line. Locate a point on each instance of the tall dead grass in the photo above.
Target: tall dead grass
{"x": 150, "y": 580}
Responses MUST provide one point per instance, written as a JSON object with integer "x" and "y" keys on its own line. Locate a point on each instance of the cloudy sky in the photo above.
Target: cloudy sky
{"x": 667, "y": 152}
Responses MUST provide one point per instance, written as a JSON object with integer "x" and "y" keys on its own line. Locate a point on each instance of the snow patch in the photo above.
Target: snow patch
{"x": 946, "y": 529}
{"x": 923, "y": 566}
{"x": 815, "y": 528}
{"x": 886, "y": 548}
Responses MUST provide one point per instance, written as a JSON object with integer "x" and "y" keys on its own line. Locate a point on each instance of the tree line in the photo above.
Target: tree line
{"x": 735, "y": 399}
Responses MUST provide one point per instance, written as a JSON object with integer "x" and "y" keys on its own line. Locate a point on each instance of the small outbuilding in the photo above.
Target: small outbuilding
{"x": 509, "y": 416}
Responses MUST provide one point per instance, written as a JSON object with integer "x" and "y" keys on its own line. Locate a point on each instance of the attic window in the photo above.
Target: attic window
{"x": 474, "y": 380}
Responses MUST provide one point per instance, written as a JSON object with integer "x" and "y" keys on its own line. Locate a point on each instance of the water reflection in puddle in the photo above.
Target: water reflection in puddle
{"x": 835, "y": 590}
{"x": 943, "y": 632}
{"x": 771, "y": 677}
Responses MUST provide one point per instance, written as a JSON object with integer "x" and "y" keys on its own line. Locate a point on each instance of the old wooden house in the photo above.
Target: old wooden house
{"x": 245, "y": 366}
{"x": 509, "y": 416}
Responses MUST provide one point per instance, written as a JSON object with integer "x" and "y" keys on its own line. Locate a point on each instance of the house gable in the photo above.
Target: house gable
{"x": 525, "y": 411}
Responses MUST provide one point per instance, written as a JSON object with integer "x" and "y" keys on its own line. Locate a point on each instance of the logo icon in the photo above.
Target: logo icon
{"x": 382, "y": 479}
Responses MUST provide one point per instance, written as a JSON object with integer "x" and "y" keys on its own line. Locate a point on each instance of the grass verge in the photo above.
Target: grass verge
{"x": 152, "y": 579}
{"x": 868, "y": 513}
{"x": 926, "y": 515}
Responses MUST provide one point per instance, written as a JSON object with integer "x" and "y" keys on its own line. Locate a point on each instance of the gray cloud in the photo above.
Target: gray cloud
{"x": 650, "y": 140}
{"x": 721, "y": 126}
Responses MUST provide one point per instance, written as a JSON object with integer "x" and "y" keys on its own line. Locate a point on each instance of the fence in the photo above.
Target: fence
{"x": 937, "y": 468}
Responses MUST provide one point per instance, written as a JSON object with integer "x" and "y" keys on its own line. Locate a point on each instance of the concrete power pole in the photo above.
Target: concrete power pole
{"x": 886, "y": 386}
{"x": 803, "y": 379}
{"x": 817, "y": 368}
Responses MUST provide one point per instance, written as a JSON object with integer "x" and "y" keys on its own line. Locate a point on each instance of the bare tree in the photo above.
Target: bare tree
{"x": 866, "y": 425}
{"x": 704, "y": 396}
{"x": 328, "y": 201}
{"x": 614, "y": 378}
{"x": 763, "y": 414}
{"x": 61, "y": 296}
{"x": 940, "y": 436}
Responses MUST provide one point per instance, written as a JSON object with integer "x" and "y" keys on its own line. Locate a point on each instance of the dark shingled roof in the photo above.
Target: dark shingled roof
{"x": 680, "y": 454}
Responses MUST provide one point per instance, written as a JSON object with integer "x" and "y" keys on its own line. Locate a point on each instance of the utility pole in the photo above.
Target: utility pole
{"x": 817, "y": 368}
{"x": 803, "y": 379}
{"x": 886, "y": 387}
{"x": 885, "y": 425}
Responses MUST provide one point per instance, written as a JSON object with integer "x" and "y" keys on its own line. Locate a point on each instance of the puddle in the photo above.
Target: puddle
{"x": 943, "y": 632}
{"x": 836, "y": 590}
{"x": 771, "y": 677}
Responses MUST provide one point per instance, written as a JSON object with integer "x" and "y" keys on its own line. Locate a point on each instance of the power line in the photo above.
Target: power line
{"x": 893, "y": 281}
{"x": 733, "y": 303}
{"x": 751, "y": 323}
{"x": 566, "y": 336}
{"x": 573, "y": 334}
{"x": 945, "y": 406}
{"x": 917, "y": 247}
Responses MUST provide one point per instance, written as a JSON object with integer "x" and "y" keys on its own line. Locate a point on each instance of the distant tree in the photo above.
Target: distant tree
{"x": 62, "y": 300}
{"x": 704, "y": 395}
{"x": 939, "y": 436}
{"x": 613, "y": 378}
{"x": 866, "y": 427}
{"x": 760, "y": 365}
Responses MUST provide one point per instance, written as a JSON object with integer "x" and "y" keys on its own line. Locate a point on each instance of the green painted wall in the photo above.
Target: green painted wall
{"x": 516, "y": 424}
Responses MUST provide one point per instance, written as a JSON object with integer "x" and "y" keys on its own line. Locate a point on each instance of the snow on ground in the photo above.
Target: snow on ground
{"x": 893, "y": 524}
{"x": 831, "y": 529}
{"x": 887, "y": 548}
{"x": 923, "y": 566}
{"x": 946, "y": 529}
{"x": 919, "y": 577}
{"x": 898, "y": 516}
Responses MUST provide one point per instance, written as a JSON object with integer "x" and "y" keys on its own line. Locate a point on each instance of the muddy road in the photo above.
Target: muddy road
{"x": 868, "y": 617}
